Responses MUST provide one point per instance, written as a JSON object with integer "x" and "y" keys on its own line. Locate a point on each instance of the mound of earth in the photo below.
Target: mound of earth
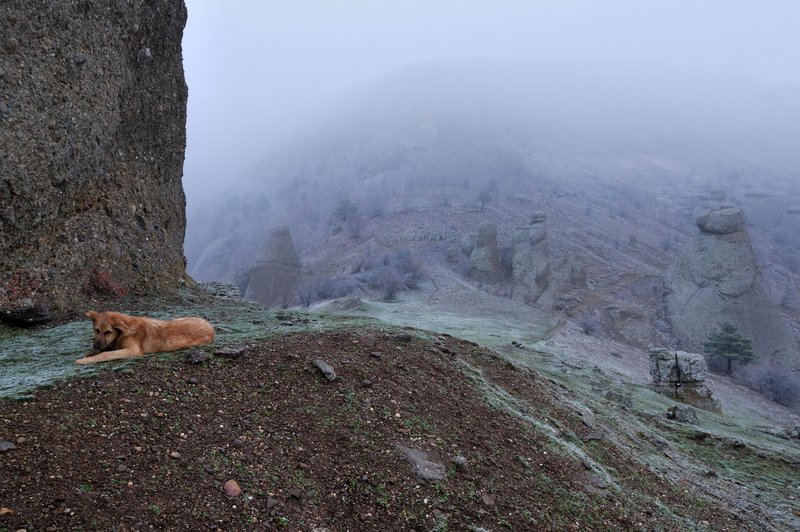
{"x": 407, "y": 436}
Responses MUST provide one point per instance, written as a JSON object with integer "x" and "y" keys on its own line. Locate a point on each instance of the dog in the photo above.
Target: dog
{"x": 118, "y": 336}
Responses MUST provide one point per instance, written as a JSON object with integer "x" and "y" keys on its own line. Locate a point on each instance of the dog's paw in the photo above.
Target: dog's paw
{"x": 83, "y": 361}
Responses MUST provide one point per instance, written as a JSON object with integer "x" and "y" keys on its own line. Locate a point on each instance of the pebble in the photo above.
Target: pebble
{"x": 232, "y": 488}
{"x": 295, "y": 494}
{"x": 366, "y": 383}
{"x": 192, "y": 380}
{"x": 196, "y": 356}
{"x": 121, "y": 468}
{"x": 126, "y": 371}
{"x": 234, "y": 351}
{"x": 376, "y": 354}
{"x": 11, "y": 45}
{"x": 6, "y": 446}
{"x": 272, "y": 503}
{"x": 175, "y": 454}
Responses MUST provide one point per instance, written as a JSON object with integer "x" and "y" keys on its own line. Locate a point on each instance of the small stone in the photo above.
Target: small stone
{"x": 368, "y": 340}
{"x": 196, "y": 356}
{"x": 460, "y": 461}
{"x": 302, "y": 465}
{"x": 232, "y": 488}
{"x": 7, "y": 511}
{"x": 175, "y": 454}
{"x": 366, "y": 383}
{"x": 121, "y": 468}
{"x": 272, "y": 503}
{"x": 11, "y": 45}
{"x": 126, "y": 371}
{"x": 402, "y": 338}
{"x": 376, "y": 354}
{"x": 234, "y": 351}
{"x": 423, "y": 467}
{"x": 6, "y": 446}
{"x": 192, "y": 380}
{"x": 21, "y": 439}
{"x": 325, "y": 368}
{"x": 487, "y": 499}
{"x": 295, "y": 494}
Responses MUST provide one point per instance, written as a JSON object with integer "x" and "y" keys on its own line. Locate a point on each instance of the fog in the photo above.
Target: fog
{"x": 260, "y": 73}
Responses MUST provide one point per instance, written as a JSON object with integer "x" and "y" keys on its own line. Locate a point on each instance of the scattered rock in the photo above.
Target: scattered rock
{"x": 295, "y": 493}
{"x": 233, "y": 351}
{"x": 484, "y": 263}
{"x": 6, "y": 446}
{"x": 175, "y": 454}
{"x": 487, "y": 499}
{"x": 592, "y": 435}
{"x": 684, "y": 414}
{"x": 376, "y": 354}
{"x": 126, "y": 371}
{"x": 425, "y": 469}
{"x": 192, "y": 380}
{"x": 368, "y": 340}
{"x": 231, "y": 488}
{"x": 7, "y": 511}
{"x": 272, "y": 502}
{"x": 325, "y": 368}
{"x": 121, "y": 468}
{"x": 196, "y": 356}
{"x": 221, "y": 290}
{"x": 402, "y": 338}
{"x": 366, "y": 383}
{"x": 460, "y": 461}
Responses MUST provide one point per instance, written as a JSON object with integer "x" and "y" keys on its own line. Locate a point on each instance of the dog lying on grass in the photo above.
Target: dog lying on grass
{"x": 118, "y": 336}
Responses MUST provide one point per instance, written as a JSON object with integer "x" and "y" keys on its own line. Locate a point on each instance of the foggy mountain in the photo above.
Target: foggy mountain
{"x": 476, "y": 123}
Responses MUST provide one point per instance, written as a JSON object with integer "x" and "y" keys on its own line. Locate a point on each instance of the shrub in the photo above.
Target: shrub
{"x": 773, "y": 382}
{"x": 588, "y": 323}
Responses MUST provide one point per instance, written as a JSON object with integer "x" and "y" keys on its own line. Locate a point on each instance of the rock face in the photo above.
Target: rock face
{"x": 483, "y": 258}
{"x": 92, "y": 129}
{"x": 272, "y": 278}
{"x": 530, "y": 260}
{"x": 681, "y": 376}
{"x": 717, "y": 279}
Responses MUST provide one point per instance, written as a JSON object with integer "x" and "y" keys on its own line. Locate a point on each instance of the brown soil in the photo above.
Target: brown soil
{"x": 153, "y": 448}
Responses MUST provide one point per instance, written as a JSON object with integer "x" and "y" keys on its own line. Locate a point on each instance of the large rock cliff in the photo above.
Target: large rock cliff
{"x": 717, "y": 279}
{"x": 92, "y": 129}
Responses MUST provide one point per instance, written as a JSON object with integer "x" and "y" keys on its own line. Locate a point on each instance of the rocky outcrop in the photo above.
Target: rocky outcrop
{"x": 717, "y": 279}
{"x": 681, "y": 376}
{"x": 484, "y": 261}
{"x": 530, "y": 260}
{"x": 92, "y": 129}
{"x": 271, "y": 280}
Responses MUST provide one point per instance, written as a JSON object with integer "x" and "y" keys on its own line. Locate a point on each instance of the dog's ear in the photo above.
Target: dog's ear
{"x": 120, "y": 322}
{"x": 92, "y": 315}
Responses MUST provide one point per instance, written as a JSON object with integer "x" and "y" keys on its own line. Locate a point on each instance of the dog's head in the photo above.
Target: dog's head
{"x": 108, "y": 328}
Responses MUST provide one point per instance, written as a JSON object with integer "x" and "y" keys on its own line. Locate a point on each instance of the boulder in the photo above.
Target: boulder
{"x": 93, "y": 138}
{"x": 485, "y": 263}
{"x": 681, "y": 376}
{"x": 273, "y": 277}
{"x": 722, "y": 221}
{"x": 717, "y": 279}
{"x": 530, "y": 260}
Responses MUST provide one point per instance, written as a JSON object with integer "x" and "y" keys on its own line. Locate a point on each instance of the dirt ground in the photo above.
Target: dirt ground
{"x": 153, "y": 445}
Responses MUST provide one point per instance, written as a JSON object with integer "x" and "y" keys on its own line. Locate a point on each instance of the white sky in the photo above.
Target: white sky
{"x": 258, "y": 69}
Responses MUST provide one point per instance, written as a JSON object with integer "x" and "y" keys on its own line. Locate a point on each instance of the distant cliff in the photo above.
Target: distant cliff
{"x": 92, "y": 130}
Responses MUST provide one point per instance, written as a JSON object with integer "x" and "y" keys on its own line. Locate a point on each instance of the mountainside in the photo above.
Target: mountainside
{"x": 93, "y": 116}
{"x": 418, "y": 430}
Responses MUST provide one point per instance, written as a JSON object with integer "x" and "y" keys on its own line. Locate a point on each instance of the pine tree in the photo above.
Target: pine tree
{"x": 729, "y": 344}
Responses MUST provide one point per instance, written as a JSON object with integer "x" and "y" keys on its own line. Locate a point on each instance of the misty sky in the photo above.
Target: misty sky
{"x": 259, "y": 70}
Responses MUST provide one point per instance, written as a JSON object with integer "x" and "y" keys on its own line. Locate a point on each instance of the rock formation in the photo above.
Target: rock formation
{"x": 271, "y": 280}
{"x": 484, "y": 261}
{"x": 717, "y": 279}
{"x": 681, "y": 376}
{"x": 530, "y": 260}
{"x": 92, "y": 129}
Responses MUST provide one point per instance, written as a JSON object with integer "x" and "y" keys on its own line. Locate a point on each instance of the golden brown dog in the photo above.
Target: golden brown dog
{"x": 118, "y": 336}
